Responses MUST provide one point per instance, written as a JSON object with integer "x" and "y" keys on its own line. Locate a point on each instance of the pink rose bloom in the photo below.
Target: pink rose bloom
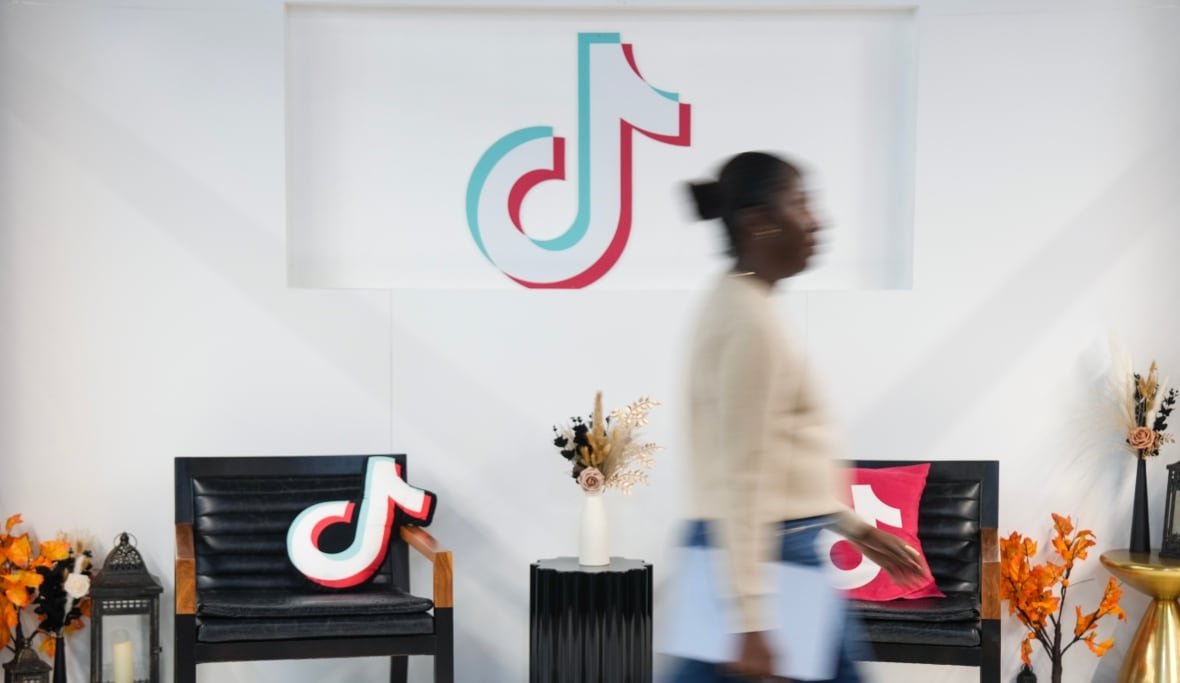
{"x": 592, "y": 480}
{"x": 1141, "y": 438}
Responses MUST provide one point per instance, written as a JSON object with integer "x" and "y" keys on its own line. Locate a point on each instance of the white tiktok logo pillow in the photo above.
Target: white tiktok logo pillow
{"x": 385, "y": 494}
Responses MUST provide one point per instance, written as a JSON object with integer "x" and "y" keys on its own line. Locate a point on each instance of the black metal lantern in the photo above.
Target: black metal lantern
{"x": 1026, "y": 675}
{"x": 1171, "y": 546}
{"x": 26, "y": 667}
{"x": 125, "y": 615}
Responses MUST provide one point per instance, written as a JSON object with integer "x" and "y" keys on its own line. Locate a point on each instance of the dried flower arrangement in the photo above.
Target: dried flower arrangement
{"x": 604, "y": 451}
{"x": 1029, "y": 590}
{"x": 53, "y": 578}
{"x": 1146, "y": 406}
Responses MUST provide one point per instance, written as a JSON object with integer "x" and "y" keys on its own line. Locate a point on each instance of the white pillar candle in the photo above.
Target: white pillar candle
{"x": 123, "y": 662}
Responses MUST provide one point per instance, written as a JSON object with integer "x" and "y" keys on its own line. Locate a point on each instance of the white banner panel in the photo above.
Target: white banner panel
{"x": 549, "y": 148}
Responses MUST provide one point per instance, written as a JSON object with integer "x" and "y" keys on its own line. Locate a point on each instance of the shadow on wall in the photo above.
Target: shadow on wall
{"x": 474, "y": 662}
{"x": 192, "y": 213}
{"x": 491, "y": 606}
{"x": 227, "y": 241}
{"x": 1036, "y": 295}
{"x": 1025, "y": 307}
{"x": 503, "y": 512}
{"x": 482, "y": 512}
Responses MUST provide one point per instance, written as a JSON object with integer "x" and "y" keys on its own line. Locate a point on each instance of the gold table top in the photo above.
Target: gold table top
{"x": 1147, "y": 573}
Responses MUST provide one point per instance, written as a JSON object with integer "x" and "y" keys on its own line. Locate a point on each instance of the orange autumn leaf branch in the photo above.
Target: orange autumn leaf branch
{"x": 34, "y": 577}
{"x": 1030, "y": 590}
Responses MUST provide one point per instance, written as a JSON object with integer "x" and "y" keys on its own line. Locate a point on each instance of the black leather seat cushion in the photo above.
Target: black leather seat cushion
{"x": 252, "y": 604}
{"x": 224, "y": 629}
{"x": 954, "y": 607}
{"x": 962, "y": 633}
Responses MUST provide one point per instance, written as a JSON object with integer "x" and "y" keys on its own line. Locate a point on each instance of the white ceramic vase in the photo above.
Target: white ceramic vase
{"x": 593, "y": 550}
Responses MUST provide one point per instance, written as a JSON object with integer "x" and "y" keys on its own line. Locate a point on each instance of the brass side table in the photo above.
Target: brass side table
{"x": 1154, "y": 655}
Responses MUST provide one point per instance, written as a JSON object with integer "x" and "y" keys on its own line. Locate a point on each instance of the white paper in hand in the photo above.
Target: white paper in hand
{"x": 809, "y": 620}
{"x": 807, "y": 614}
{"x": 697, "y": 626}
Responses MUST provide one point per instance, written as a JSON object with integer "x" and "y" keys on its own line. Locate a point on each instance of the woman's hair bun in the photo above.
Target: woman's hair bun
{"x": 707, "y": 197}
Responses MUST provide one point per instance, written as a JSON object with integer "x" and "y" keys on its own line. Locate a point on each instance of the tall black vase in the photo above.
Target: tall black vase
{"x": 59, "y": 660}
{"x": 1140, "y": 527}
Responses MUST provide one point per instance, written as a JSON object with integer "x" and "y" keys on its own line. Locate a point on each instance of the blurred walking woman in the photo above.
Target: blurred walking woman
{"x": 762, "y": 467}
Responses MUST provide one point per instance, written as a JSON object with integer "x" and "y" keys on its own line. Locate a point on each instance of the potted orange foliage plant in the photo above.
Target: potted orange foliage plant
{"x": 50, "y": 578}
{"x": 1031, "y": 592}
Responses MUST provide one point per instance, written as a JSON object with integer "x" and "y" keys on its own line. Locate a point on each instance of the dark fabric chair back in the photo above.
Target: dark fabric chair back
{"x": 948, "y": 525}
{"x": 240, "y": 521}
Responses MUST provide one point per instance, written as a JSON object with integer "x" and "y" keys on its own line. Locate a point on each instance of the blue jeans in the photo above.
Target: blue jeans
{"x": 797, "y": 546}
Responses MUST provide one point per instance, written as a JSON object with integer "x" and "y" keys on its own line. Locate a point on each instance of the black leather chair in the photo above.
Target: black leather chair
{"x": 238, "y": 598}
{"x": 957, "y": 520}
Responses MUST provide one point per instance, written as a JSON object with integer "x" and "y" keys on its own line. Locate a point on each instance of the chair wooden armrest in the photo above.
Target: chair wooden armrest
{"x": 186, "y": 570}
{"x": 419, "y": 539}
{"x": 989, "y": 549}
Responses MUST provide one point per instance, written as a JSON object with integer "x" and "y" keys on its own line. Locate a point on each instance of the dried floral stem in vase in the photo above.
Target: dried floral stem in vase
{"x": 1147, "y": 405}
{"x": 605, "y": 451}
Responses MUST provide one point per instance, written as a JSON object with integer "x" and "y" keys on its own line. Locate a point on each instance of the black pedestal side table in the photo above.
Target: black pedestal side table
{"x": 590, "y": 624}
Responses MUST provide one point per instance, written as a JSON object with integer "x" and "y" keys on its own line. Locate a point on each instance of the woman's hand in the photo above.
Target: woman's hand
{"x": 893, "y": 555}
{"x": 755, "y": 660}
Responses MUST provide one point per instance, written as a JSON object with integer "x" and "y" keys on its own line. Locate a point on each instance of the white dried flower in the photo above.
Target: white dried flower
{"x": 77, "y": 586}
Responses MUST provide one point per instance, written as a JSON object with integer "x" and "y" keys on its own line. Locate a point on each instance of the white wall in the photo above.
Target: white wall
{"x": 144, "y": 312}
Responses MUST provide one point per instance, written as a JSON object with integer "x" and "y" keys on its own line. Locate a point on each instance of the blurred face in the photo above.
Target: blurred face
{"x": 800, "y": 228}
{"x": 785, "y": 233}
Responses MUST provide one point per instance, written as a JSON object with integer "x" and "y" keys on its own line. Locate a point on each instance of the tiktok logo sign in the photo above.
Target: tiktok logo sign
{"x": 385, "y": 494}
{"x": 614, "y": 102}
